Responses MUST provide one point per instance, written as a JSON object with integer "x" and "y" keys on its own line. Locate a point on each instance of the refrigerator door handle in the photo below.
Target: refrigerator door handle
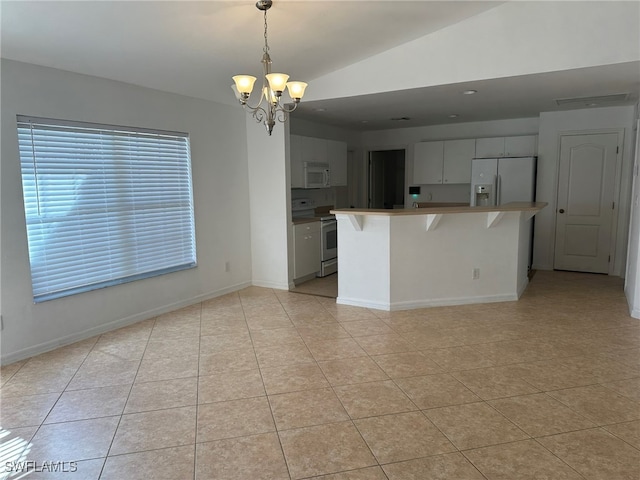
{"x": 498, "y": 185}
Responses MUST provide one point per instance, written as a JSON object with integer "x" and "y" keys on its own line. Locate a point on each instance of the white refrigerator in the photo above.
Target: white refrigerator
{"x": 496, "y": 181}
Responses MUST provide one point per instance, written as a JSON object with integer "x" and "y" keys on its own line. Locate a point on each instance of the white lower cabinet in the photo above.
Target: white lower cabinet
{"x": 306, "y": 247}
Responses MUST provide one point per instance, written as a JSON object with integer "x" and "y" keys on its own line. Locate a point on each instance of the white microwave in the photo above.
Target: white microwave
{"x": 317, "y": 175}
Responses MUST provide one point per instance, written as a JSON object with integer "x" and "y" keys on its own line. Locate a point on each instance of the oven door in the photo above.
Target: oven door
{"x": 329, "y": 239}
{"x": 328, "y": 267}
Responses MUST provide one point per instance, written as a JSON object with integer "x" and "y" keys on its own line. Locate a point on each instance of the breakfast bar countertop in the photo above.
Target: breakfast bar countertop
{"x": 508, "y": 207}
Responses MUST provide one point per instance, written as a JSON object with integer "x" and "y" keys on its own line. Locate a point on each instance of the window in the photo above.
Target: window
{"x": 104, "y": 205}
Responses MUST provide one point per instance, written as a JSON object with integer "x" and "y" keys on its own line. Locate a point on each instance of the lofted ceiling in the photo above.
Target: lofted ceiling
{"x": 194, "y": 47}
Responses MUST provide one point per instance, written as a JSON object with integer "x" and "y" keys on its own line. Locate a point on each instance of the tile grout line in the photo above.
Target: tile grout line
{"x": 332, "y": 388}
{"x": 195, "y": 433}
{"x": 115, "y": 432}
{"x": 63, "y": 390}
{"x": 275, "y": 425}
{"x": 445, "y": 371}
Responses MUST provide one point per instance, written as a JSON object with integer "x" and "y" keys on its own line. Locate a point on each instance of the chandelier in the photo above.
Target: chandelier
{"x": 269, "y": 108}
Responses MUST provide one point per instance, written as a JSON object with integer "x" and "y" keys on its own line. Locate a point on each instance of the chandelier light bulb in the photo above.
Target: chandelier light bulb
{"x": 277, "y": 82}
{"x": 270, "y": 95}
{"x": 244, "y": 83}
{"x": 296, "y": 90}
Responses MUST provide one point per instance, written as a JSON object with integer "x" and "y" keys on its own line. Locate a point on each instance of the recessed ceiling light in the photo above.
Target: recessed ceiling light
{"x": 320, "y": 109}
{"x": 591, "y": 104}
{"x": 454, "y": 115}
{"x": 365, "y": 121}
{"x": 469, "y": 92}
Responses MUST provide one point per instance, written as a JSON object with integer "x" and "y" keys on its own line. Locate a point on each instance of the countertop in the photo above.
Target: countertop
{"x": 298, "y": 221}
{"x": 321, "y": 211}
{"x": 508, "y": 207}
{"x": 440, "y": 204}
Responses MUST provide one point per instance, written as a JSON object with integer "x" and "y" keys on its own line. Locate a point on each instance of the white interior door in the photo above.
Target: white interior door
{"x": 586, "y": 187}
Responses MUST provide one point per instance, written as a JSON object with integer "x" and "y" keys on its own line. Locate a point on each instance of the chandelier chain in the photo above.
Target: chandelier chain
{"x": 266, "y": 44}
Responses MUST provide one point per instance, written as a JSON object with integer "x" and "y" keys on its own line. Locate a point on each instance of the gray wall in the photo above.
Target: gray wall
{"x": 221, "y": 199}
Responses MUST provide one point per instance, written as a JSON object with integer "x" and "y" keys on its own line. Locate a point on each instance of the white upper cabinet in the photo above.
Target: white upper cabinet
{"x": 337, "y": 155}
{"x": 317, "y": 150}
{"x": 314, "y": 150}
{"x": 443, "y": 162}
{"x": 427, "y": 162}
{"x": 522, "y": 146}
{"x": 490, "y": 147}
{"x": 457, "y": 160}
{"x": 518, "y": 146}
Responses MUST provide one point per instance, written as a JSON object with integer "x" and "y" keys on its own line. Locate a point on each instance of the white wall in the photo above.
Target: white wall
{"x": 307, "y": 128}
{"x": 548, "y": 127}
{"x": 552, "y": 124}
{"x": 515, "y": 38}
{"x": 270, "y": 199}
{"x": 365, "y": 262}
{"x": 407, "y": 137}
{"x": 632, "y": 277}
{"x": 219, "y": 161}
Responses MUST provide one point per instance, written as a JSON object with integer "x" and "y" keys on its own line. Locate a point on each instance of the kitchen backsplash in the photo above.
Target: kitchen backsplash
{"x": 323, "y": 196}
{"x": 441, "y": 193}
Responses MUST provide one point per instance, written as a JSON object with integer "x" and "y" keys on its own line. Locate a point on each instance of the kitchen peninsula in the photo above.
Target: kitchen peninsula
{"x": 421, "y": 257}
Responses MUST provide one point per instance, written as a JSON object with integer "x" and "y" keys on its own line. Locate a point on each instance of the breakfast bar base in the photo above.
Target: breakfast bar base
{"x": 428, "y": 257}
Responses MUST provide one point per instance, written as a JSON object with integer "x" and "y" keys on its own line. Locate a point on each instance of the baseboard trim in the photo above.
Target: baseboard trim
{"x": 542, "y": 267}
{"x": 362, "y": 303}
{"x": 112, "y": 325}
{"x": 274, "y": 285}
{"x": 523, "y": 288}
{"x": 439, "y": 302}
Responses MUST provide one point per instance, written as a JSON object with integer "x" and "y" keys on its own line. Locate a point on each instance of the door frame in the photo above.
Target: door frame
{"x": 616, "y": 189}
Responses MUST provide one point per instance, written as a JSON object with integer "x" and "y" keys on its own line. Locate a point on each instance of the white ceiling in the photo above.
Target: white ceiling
{"x": 501, "y": 98}
{"x": 193, "y": 48}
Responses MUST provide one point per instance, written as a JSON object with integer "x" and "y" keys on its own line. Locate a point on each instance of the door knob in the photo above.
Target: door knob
{"x": 561, "y": 210}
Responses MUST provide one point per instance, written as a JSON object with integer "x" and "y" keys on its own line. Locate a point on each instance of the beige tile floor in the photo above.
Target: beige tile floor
{"x": 322, "y": 287}
{"x": 265, "y": 384}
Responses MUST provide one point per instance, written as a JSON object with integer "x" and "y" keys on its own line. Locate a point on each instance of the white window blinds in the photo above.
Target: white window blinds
{"x": 104, "y": 205}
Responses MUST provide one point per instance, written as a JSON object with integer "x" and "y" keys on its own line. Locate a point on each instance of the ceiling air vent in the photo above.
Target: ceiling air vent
{"x": 592, "y": 101}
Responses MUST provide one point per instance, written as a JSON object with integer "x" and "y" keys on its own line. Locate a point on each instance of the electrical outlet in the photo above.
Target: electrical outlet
{"x": 227, "y": 266}
{"x": 476, "y": 274}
